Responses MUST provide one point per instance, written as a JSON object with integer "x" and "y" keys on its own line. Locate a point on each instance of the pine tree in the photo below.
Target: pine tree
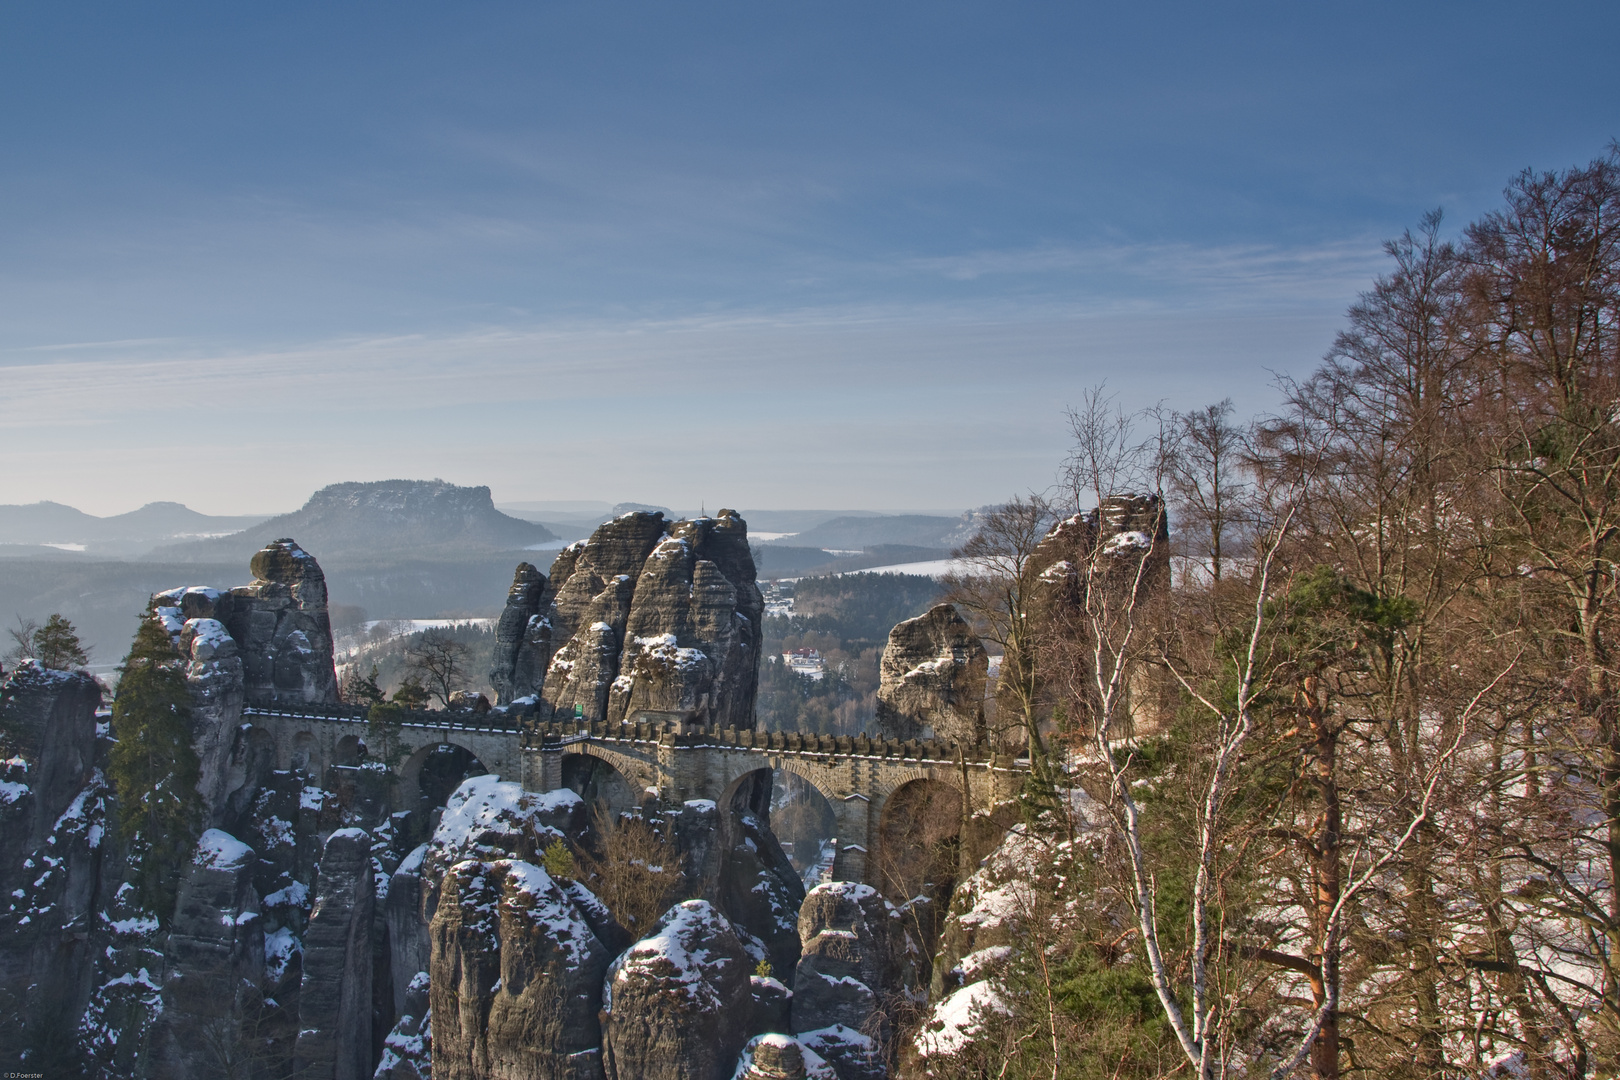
{"x": 154, "y": 767}
{"x": 56, "y": 645}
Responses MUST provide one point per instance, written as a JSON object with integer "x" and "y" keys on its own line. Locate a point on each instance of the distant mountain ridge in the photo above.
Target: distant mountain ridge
{"x": 852, "y": 533}
{"x": 362, "y": 520}
{"x": 131, "y": 533}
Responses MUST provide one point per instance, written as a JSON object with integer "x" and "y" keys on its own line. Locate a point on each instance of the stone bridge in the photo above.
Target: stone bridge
{"x": 654, "y": 760}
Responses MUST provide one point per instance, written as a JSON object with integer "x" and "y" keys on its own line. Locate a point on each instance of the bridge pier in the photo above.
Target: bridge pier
{"x": 853, "y": 815}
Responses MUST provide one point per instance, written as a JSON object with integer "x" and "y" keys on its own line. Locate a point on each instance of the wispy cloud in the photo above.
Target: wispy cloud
{"x": 1183, "y": 274}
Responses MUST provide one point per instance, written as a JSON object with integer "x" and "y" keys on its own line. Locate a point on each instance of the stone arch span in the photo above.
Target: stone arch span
{"x": 639, "y": 774}
{"x": 432, "y": 772}
{"x": 596, "y": 780}
{"x": 916, "y": 849}
{"x": 805, "y": 822}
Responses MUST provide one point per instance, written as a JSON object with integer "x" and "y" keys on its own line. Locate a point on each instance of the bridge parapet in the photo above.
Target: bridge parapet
{"x": 540, "y": 736}
{"x": 418, "y": 718}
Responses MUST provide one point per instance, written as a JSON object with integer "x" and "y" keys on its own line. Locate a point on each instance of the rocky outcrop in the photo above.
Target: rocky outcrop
{"x": 522, "y": 639}
{"x": 988, "y": 923}
{"x": 49, "y": 716}
{"x": 852, "y": 1054}
{"x": 1124, "y": 533}
{"x": 334, "y": 998}
{"x": 931, "y": 680}
{"x": 410, "y": 947}
{"x": 656, "y": 616}
{"x": 57, "y": 866}
{"x": 677, "y": 1002}
{"x": 516, "y": 977}
{"x": 853, "y": 948}
{"x": 855, "y": 956}
{"x": 735, "y": 862}
{"x": 215, "y": 962}
{"x": 279, "y": 625}
{"x": 408, "y": 1048}
{"x": 781, "y": 1057}
{"x": 214, "y": 675}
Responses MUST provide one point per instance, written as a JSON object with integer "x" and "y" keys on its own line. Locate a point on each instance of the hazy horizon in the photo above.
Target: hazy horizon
{"x": 710, "y": 255}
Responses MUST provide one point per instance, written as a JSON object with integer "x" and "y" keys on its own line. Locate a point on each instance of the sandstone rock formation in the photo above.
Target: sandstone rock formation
{"x": 855, "y": 954}
{"x": 781, "y": 1057}
{"x": 334, "y": 1004}
{"x": 932, "y": 677}
{"x": 656, "y": 617}
{"x": 852, "y": 947}
{"x": 410, "y": 948}
{"x": 735, "y": 862}
{"x": 408, "y": 1048}
{"x": 678, "y": 1001}
{"x": 279, "y": 625}
{"x": 56, "y": 869}
{"x": 988, "y": 920}
{"x": 516, "y": 977}
{"x": 50, "y": 717}
{"x": 215, "y": 957}
{"x": 522, "y": 638}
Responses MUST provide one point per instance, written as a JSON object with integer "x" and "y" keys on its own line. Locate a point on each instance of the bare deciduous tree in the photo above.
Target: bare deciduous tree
{"x": 440, "y": 662}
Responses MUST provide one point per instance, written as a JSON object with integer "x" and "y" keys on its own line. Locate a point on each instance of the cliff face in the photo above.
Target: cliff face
{"x": 522, "y": 638}
{"x": 656, "y": 616}
{"x": 56, "y": 868}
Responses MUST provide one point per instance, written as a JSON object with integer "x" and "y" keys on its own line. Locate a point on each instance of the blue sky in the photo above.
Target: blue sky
{"x": 758, "y": 254}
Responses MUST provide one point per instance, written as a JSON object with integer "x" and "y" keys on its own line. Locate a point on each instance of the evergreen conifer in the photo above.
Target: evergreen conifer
{"x": 56, "y": 644}
{"x": 154, "y": 767}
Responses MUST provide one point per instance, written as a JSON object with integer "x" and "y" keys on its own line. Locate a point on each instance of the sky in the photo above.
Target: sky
{"x": 761, "y": 255}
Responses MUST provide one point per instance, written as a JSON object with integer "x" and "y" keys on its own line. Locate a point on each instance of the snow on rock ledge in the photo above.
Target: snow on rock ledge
{"x": 487, "y": 817}
{"x": 781, "y": 1057}
{"x": 678, "y": 1001}
{"x": 219, "y": 850}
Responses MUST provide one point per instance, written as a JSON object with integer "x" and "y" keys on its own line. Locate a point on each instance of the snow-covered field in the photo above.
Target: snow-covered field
{"x": 401, "y": 627}
{"x": 935, "y": 568}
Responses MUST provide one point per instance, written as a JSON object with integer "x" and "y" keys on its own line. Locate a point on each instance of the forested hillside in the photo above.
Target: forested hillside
{"x": 1342, "y": 796}
{"x": 847, "y": 620}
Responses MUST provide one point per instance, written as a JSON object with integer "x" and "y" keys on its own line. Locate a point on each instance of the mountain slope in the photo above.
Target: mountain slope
{"x": 350, "y": 521}
{"x": 856, "y": 533}
{"x": 121, "y": 534}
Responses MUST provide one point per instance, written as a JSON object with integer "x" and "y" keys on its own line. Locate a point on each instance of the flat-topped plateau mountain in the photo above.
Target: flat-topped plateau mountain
{"x": 352, "y": 521}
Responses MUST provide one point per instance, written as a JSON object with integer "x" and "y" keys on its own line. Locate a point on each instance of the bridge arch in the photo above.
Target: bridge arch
{"x": 305, "y": 753}
{"x": 433, "y": 771}
{"x": 916, "y": 851}
{"x": 804, "y": 821}
{"x": 638, "y": 774}
{"x": 598, "y": 781}
{"x": 348, "y": 751}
